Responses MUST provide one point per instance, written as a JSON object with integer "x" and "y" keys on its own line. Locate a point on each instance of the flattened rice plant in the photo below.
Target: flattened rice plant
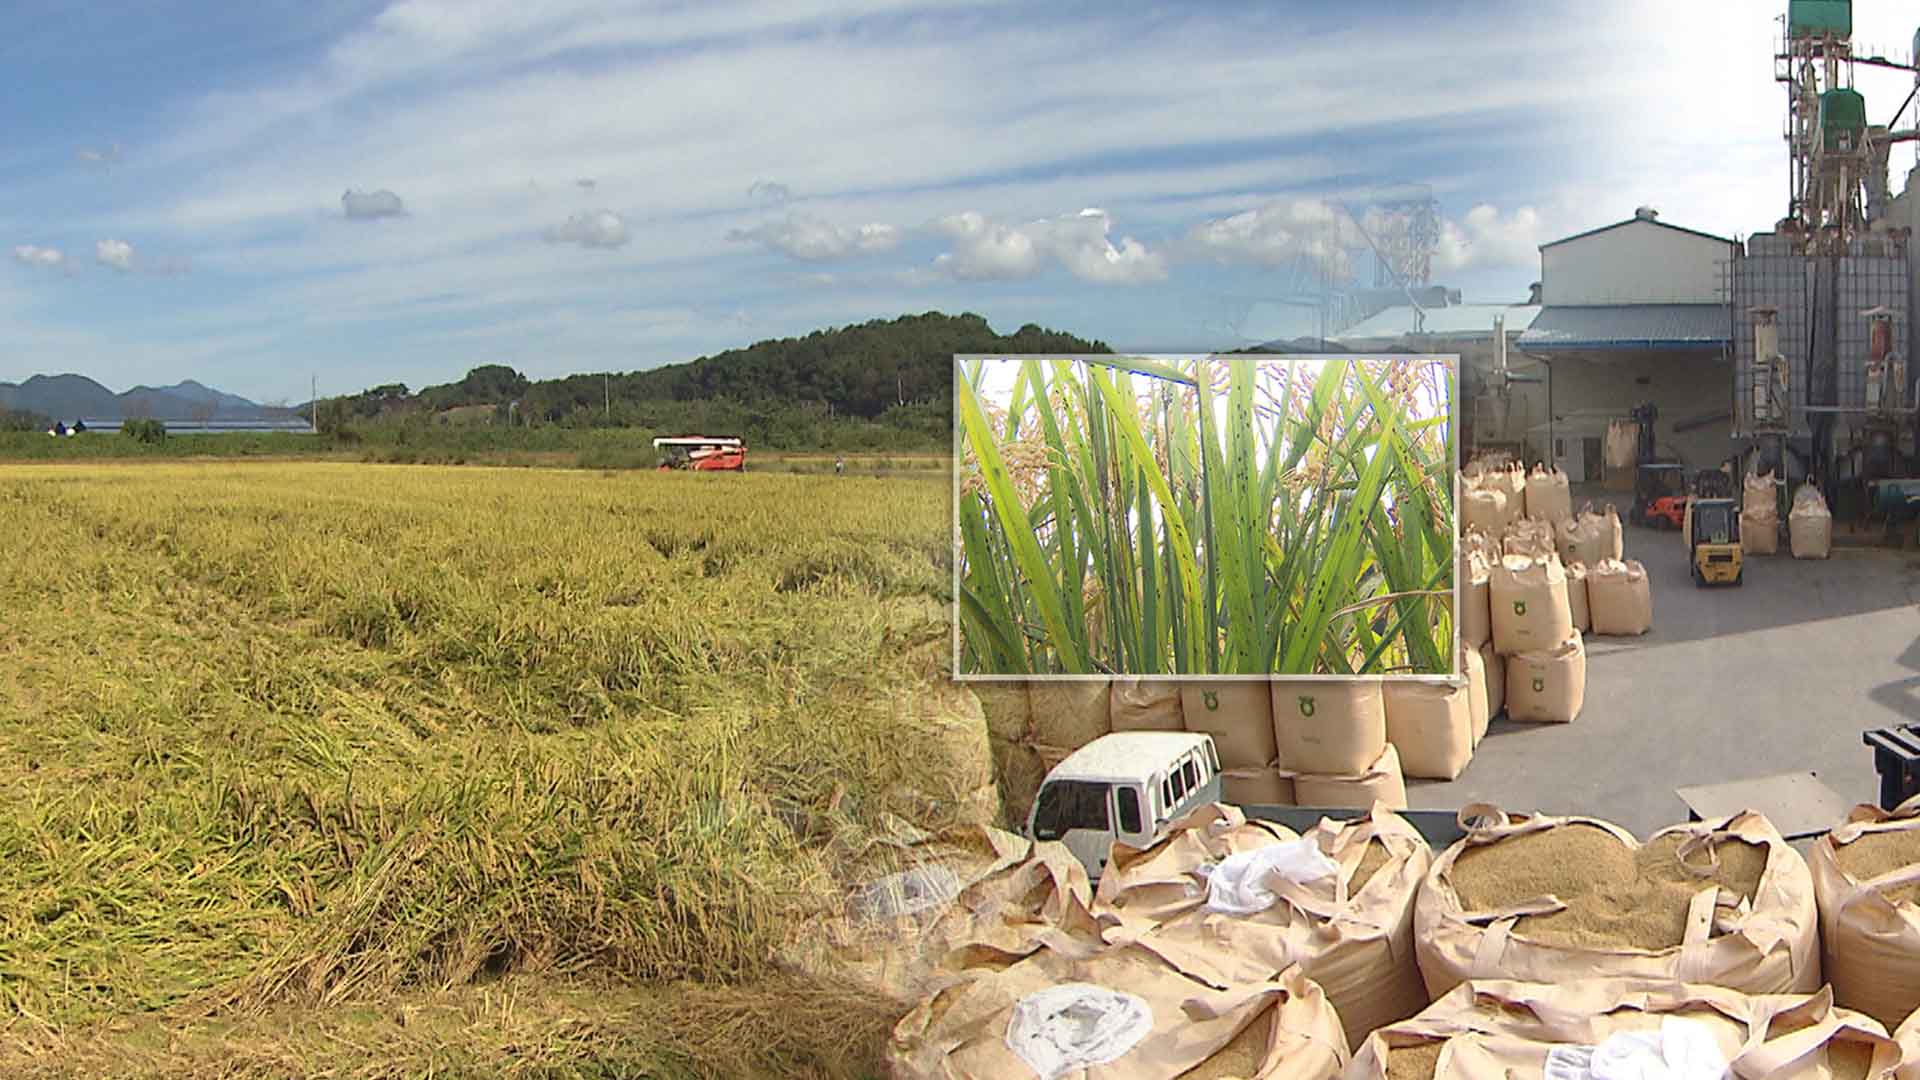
{"x": 1235, "y": 517}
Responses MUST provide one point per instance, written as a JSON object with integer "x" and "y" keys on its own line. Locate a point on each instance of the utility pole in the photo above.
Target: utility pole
{"x": 607, "y": 382}
{"x": 313, "y": 406}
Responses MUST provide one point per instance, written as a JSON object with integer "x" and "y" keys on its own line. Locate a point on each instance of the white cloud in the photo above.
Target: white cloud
{"x": 600, "y": 229}
{"x": 1484, "y": 239}
{"x": 99, "y": 156}
{"x": 805, "y": 236}
{"x": 1277, "y": 232}
{"x": 988, "y": 250}
{"x": 367, "y": 206}
{"x": 115, "y": 253}
{"x": 32, "y": 255}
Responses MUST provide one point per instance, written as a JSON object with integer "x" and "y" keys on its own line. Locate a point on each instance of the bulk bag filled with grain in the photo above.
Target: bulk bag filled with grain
{"x": 1265, "y": 786}
{"x": 1760, "y": 494}
{"x": 1583, "y": 539}
{"x": 1380, "y": 782}
{"x": 1866, "y": 879}
{"x": 1548, "y": 687}
{"x": 938, "y": 893}
{"x": 1496, "y": 666}
{"x": 1577, "y": 597}
{"x": 1017, "y": 767}
{"x": 1484, "y": 508}
{"x": 1476, "y": 612}
{"x": 1612, "y": 1029}
{"x": 1549, "y": 497}
{"x": 1145, "y": 705}
{"x": 1614, "y": 533}
{"x": 1334, "y": 726}
{"x": 1548, "y": 899}
{"x": 1530, "y": 606}
{"x": 1529, "y": 536}
{"x": 1235, "y": 901}
{"x": 1477, "y": 700}
{"x": 1430, "y": 725}
{"x": 1759, "y": 532}
{"x": 1620, "y": 598}
{"x": 1810, "y": 524}
{"x": 1069, "y": 713}
{"x": 1238, "y": 713}
{"x": 1118, "y": 1013}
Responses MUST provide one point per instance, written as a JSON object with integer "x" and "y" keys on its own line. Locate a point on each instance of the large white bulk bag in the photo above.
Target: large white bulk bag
{"x": 1476, "y": 599}
{"x": 1810, "y": 524}
{"x": 1548, "y": 686}
{"x": 1620, "y": 598}
{"x": 1333, "y": 726}
{"x": 1238, "y": 713}
{"x": 1530, "y": 606}
{"x": 1549, "y": 497}
{"x": 1577, "y": 597}
{"x": 1477, "y": 700}
{"x": 1430, "y": 724}
{"x": 1145, "y": 705}
{"x": 1484, "y": 508}
{"x": 1380, "y": 782}
{"x": 1496, "y": 666}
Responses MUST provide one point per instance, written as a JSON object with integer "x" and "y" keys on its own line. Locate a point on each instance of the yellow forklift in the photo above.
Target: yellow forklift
{"x": 1713, "y": 542}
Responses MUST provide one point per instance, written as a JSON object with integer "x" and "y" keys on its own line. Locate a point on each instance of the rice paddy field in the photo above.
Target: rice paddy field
{"x": 361, "y": 770}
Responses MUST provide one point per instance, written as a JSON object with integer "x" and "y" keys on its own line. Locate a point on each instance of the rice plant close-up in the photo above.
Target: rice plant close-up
{"x": 1242, "y": 515}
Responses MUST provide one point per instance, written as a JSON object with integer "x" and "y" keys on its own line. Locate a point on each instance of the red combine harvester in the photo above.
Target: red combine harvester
{"x": 704, "y": 453}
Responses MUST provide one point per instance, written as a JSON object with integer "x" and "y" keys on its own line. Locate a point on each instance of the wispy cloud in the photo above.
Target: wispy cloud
{"x": 117, "y": 254}
{"x": 1487, "y": 238}
{"x": 805, "y": 236}
{"x": 769, "y": 191}
{"x": 33, "y": 255}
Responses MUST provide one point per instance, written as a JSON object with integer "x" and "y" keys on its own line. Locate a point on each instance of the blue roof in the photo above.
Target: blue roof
{"x": 1457, "y": 320}
{"x": 1630, "y": 326}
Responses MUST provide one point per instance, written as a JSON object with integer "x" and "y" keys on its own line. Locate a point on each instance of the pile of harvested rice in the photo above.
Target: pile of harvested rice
{"x": 1875, "y": 853}
{"x": 1416, "y": 1062}
{"x": 1616, "y": 896}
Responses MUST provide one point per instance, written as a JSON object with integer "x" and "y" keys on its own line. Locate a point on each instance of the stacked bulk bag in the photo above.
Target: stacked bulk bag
{"x": 1532, "y": 537}
{"x": 1234, "y": 901}
{"x": 1759, "y": 517}
{"x": 1067, "y": 714}
{"x": 1380, "y": 782}
{"x": 1476, "y": 612}
{"x": 1810, "y": 525}
{"x": 1577, "y": 597}
{"x": 1144, "y": 705}
{"x": 1584, "y": 539}
{"x": 1550, "y": 899}
{"x": 1509, "y": 479}
{"x": 1122, "y": 1012}
{"x": 1484, "y": 508}
{"x": 1430, "y": 725}
{"x": 1492, "y": 1029}
{"x": 1016, "y": 764}
{"x": 1333, "y": 727}
{"x": 1548, "y": 686}
{"x": 1613, "y": 533}
{"x": 1475, "y": 669}
{"x": 1496, "y": 666}
{"x": 1530, "y": 606}
{"x": 1620, "y": 598}
{"x": 1239, "y": 715}
{"x": 1549, "y": 497}
{"x": 1866, "y": 878}
{"x": 967, "y": 888}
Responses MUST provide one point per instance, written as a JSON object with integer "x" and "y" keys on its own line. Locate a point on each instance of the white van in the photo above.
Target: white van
{"x": 1129, "y": 786}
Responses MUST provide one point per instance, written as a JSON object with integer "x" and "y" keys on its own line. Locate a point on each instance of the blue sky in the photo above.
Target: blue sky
{"x": 588, "y": 186}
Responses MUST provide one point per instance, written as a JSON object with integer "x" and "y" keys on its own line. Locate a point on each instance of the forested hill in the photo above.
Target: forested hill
{"x": 883, "y": 375}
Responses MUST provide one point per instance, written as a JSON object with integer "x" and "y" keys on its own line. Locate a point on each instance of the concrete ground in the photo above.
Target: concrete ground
{"x": 1778, "y": 675}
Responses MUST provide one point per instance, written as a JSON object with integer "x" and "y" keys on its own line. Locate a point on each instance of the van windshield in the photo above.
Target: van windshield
{"x": 1070, "y": 804}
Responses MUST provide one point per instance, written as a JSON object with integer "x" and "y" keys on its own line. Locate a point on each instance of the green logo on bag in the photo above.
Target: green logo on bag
{"x": 1539, "y": 686}
{"x": 1212, "y": 698}
{"x": 1306, "y": 706}
{"x": 1519, "y": 607}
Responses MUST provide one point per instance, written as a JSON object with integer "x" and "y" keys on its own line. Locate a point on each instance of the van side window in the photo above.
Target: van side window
{"x": 1179, "y": 786}
{"x": 1129, "y": 810}
{"x": 1166, "y": 796}
{"x": 1213, "y": 760}
{"x": 1192, "y": 773}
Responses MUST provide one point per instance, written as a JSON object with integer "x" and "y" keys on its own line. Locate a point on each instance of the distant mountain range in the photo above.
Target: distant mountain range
{"x": 76, "y": 397}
